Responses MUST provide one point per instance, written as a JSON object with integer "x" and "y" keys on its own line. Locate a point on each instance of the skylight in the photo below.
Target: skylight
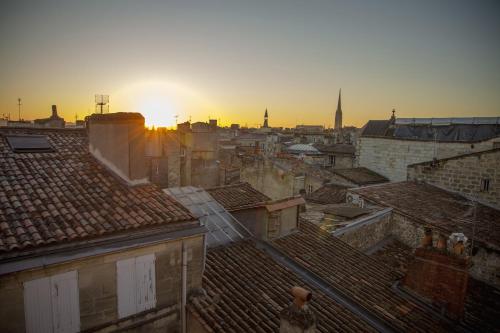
{"x": 29, "y": 143}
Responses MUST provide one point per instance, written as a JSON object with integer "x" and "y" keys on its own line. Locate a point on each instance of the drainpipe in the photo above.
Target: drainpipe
{"x": 184, "y": 288}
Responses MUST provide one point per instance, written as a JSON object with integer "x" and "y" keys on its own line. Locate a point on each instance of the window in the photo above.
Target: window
{"x": 309, "y": 188}
{"x": 332, "y": 159}
{"x": 136, "y": 285}
{"x": 51, "y": 304}
{"x": 29, "y": 143}
{"x": 485, "y": 185}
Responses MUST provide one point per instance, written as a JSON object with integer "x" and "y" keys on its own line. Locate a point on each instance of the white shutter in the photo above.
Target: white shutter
{"x": 51, "y": 304}
{"x": 146, "y": 288}
{"x": 136, "y": 285}
{"x": 125, "y": 273}
{"x": 65, "y": 303}
{"x": 37, "y": 306}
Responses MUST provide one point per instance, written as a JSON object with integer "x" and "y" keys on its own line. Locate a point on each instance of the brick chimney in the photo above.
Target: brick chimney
{"x": 298, "y": 318}
{"x": 117, "y": 140}
{"x": 440, "y": 276}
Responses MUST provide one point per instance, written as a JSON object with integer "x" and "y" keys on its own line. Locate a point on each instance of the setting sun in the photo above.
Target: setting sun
{"x": 161, "y": 102}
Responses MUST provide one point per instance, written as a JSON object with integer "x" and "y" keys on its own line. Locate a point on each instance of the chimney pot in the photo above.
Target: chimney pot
{"x": 427, "y": 239}
{"x": 298, "y": 318}
{"x": 301, "y": 296}
{"x": 442, "y": 244}
{"x": 459, "y": 248}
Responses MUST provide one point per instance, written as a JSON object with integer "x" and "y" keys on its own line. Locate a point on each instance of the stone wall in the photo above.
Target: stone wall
{"x": 463, "y": 174}
{"x": 97, "y": 285}
{"x": 274, "y": 182}
{"x": 367, "y": 234}
{"x": 390, "y": 157}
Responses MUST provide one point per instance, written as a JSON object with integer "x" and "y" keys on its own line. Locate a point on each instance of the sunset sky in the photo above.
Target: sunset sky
{"x": 231, "y": 60}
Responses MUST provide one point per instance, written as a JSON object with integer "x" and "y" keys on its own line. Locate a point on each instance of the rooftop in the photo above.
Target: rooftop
{"x": 435, "y": 129}
{"x": 328, "y": 194}
{"x": 432, "y": 206}
{"x": 238, "y": 196}
{"x": 66, "y": 195}
{"x": 222, "y": 227}
{"x": 247, "y": 289}
{"x": 366, "y": 280}
{"x": 361, "y": 176}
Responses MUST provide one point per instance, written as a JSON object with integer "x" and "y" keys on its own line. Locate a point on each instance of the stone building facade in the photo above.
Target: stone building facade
{"x": 98, "y": 290}
{"x": 476, "y": 175}
{"x": 391, "y": 157}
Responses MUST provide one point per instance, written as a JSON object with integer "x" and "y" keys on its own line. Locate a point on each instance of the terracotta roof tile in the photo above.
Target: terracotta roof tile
{"x": 246, "y": 290}
{"x": 360, "y": 176}
{"x": 328, "y": 194}
{"x": 438, "y": 208}
{"x": 366, "y": 280}
{"x": 238, "y": 196}
{"x": 65, "y": 195}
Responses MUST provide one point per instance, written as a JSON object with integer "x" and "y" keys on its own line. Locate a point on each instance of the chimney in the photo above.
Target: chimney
{"x": 117, "y": 140}
{"x": 54, "y": 111}
{"x": 298, "y": 318}
{"x": 440, "y": 276}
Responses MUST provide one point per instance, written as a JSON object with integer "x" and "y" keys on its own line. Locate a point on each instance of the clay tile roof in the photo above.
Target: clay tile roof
{"x": 361, "y": 176}
{"x": 438, "y": 208}
{"x": 238, "y": 196}
{"x": 328, "y": 194}
{"x": 247, "y": 289}
{"x": 66, "y": 195}
{"x": 366, "y": 280}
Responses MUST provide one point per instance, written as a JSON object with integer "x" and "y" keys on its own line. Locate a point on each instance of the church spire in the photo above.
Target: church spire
{"x": 266, "y": 125}
{"x": 338, "y": 113}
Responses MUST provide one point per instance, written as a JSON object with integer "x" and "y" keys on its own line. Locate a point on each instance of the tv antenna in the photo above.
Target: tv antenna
{"x": 101, "y": 103}
{"x": 176, "y": 116}
{"x": 19, "y": 108}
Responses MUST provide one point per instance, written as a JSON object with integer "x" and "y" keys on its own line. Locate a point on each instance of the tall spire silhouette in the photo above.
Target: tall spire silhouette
{"x": 338, "y": 113}
{"x": 266, "y": 117}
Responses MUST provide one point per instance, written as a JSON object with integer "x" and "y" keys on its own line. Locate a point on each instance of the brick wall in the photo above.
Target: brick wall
{"x": 464, "y": 174}
{"x": 440, "y": 277}
{"x": 390, "y": 157}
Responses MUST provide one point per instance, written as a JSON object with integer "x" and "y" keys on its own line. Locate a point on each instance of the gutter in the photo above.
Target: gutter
{"x": 17, "y": 264}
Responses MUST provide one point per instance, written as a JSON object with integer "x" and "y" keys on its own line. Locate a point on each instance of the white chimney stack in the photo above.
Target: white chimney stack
{"x": 117, "y": 140}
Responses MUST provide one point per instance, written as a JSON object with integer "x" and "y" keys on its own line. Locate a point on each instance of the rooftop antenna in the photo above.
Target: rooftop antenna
{"x": 176, "y": 116}
{"x": 101, "y": 104}
{"x": 19, "y": 108}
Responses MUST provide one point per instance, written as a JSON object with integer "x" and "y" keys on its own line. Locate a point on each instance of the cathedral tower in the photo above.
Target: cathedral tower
{"x": 338, "y": 114}
{"x": 266, "y": 124}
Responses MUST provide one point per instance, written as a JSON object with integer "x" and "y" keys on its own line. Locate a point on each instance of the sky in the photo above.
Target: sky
{"x": 230, "y": 60}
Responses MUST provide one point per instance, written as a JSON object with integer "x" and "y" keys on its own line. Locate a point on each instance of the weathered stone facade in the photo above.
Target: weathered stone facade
{"x": 271, "y": 180}
{"x": 367, "y": 234}
{"x": 390, "y": 157}
{"x": 465, "y": 174}
{"x": 97, "y": 286}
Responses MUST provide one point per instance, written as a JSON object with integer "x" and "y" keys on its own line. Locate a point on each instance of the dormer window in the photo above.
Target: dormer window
{"x": 29, "y": 143}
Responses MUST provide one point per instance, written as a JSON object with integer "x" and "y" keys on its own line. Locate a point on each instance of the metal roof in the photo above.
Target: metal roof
{"x": 222, "y": 227}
